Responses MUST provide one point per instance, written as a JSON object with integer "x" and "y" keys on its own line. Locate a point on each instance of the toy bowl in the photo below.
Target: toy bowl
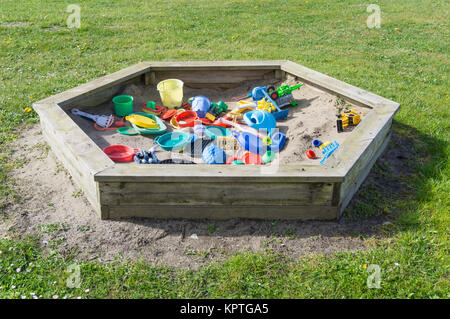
{"x": 120, "y": 153}
{"x": 214, "y": 131}
{"x": 173, "y": 141}
{"x": 186, "y": 118}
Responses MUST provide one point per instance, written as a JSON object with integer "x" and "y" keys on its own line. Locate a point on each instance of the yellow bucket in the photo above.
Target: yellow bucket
{"x": 171, "y": 92}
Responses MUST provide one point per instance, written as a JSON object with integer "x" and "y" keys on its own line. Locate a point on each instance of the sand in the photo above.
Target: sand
{"x": 313, "y": 118}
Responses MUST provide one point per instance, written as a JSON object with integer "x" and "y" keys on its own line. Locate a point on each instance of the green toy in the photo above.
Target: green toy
{"x": 286, "y": 89}
{"x": 215, "y": 110}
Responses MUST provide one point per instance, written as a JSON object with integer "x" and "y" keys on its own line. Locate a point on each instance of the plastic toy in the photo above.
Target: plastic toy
{"x": 215, "y": 131}
{"x": 347, "y": 118}
{"x": 310, "y": 154}
{"x": 213, "y": 154}
{"x": 198, "y": 145}
{"x": 227, "y": 142}
{"x": 144, "y": 157}
{"x": 159, "y": 127}
{"x": 328, "y": 150}
{"x": 120, "y": 153}
{"x": 215, "y": 110}
{"x": 256, "y": 94}
{"x": 142, "y": 120}
{"x": 127, "y": 130}
{"x": 168, "y": 114}
{"x": 199, "y": 129}
{"x": 101, "y": 120}
{"x": 186, "y": 118}
{"x": 317, "y": 143}
{"x": 242, "y": 127}
{"x": 172, "y": 141}
{"x": 260, "y": 120}
{"x": 200, "y": 104}
{"x": 252, "y": 158}
{"x": 286, "y": 100}
{"x": 269, "y": 107}
{"x": 282, "y": 90}
{"x": 123, "y": 105}
{"x": 268, "y": 157}
{"x": 277, "y": 141}
{"x": 117, "y": 124}
{"x": 152, "y": 108}
{"x": 171, "y": 92}
{"x": 237, "y": 162}
{"x": 250, "y": 142}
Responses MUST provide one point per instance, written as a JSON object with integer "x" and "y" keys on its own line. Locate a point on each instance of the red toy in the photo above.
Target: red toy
{"x": 120, "y": 153}
{"x": 310, "y": 154}
{"x": 186, "y": 118}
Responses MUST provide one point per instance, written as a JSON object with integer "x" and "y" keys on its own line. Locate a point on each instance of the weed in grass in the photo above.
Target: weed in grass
{"x": 52, "y": 228}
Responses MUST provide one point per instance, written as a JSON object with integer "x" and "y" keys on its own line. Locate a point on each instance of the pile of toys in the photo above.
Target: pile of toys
{"x": 246, "y": 134}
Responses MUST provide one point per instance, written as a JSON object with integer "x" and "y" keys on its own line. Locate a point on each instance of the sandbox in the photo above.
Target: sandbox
{"x": 294, "y": 188}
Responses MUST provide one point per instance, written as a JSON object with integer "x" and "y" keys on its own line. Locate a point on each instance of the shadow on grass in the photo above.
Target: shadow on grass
{"x": 392, "y": 182}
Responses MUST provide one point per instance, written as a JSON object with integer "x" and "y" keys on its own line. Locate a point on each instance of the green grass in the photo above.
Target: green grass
{"x": 406, "y": 60}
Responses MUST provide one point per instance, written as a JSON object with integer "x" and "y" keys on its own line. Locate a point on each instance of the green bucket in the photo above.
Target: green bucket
{"x": 123, "y": 105}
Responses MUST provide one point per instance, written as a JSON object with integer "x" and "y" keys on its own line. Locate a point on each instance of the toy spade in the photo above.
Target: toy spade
{"x": 100, "y": 120}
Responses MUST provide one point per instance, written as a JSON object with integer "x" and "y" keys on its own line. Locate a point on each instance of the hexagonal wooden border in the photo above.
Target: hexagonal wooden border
{"x": 304, "y": 191}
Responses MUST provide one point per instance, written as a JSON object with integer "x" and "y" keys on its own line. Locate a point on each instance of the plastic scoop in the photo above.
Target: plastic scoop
{"x": 101, "y": 120}
{"x": 141, "y": 121}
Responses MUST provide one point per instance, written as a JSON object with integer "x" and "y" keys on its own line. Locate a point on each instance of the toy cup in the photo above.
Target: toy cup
{"x": 123, "y": 105}
{"x": 171, "y": 92}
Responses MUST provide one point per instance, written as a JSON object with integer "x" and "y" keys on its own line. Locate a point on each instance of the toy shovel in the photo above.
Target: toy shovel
{"x": 101, "y": 120}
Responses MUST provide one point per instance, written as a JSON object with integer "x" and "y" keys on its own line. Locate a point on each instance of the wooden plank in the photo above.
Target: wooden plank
{"x": 98, "y": 85}
{"x": 219, "y": 193}
{"x": 81, "y": 146}
{"x": 349, "y": 152}
{"x": 224, "y": 212}
{"x": 334, "y": 86}
{"x": 212, "y": 173}
{"x": 207, "y": 77}
{"x": 216, "y": 65}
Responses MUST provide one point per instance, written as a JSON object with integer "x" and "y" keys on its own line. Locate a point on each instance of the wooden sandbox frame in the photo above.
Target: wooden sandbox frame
{"x": 215, "y": 191}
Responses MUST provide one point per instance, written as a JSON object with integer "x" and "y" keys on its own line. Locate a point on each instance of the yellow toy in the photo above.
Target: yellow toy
{"x": 266, "y": 106}
{"x": 141, "y": 121}
{"x": 346, "y": 118}
{"x": 243, "y": 106}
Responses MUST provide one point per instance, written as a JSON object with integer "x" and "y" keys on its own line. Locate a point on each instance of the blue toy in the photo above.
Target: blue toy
{"x": 250, "y": 142}
{"x": 213, "y": 154}
{"x": 328, "y": 150}
{"x": 317, "y": 143}
{"x": 144, "y": 157}
{"x": 278, "y": 140}
{"x": 260, "y": 120}
{"x": 201, "y": 105}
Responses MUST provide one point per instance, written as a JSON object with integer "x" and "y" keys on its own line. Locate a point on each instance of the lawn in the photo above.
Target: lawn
{"x": 406, "y": 60}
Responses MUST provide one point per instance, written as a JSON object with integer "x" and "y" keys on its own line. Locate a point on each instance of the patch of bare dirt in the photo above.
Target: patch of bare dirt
{"x": 52, "y": 206}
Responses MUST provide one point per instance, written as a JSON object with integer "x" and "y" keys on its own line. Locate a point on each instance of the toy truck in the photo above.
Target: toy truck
{"x": 215, "y": 110}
